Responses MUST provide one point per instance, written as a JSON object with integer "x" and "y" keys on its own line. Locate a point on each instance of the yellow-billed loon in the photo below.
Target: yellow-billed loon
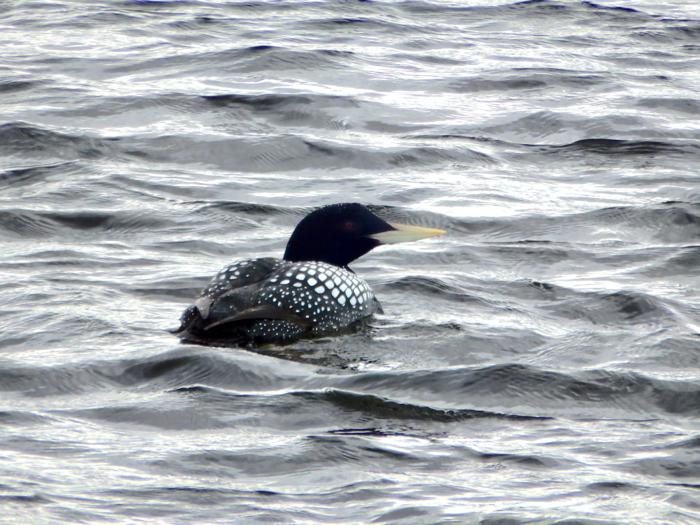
{"x": 310, "y": 292}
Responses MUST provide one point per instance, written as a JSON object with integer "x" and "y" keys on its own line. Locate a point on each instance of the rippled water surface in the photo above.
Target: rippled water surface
{"x": 538, "y": 364}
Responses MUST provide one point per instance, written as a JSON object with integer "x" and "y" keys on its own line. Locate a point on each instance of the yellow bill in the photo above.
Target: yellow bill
{"x": 405, "y": 233}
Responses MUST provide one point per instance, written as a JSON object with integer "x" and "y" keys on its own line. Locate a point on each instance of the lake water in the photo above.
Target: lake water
{"x": 540, "y": 363}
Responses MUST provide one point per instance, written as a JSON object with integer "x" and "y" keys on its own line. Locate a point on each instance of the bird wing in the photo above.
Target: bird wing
{"x": 235, "y": 284}
{"x": 262, "y": 311}
{"x": 229, "y": 294}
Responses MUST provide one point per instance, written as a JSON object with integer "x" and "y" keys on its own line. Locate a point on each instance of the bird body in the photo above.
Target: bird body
{"x": 277, "y": 301}
{"x": 310, "y": 292}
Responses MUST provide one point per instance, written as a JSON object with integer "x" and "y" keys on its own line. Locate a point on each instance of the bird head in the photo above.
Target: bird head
{"x": 340, "y": 233}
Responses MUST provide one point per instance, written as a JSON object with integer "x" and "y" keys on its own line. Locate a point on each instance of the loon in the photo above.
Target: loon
{"x": 310, "y": 292}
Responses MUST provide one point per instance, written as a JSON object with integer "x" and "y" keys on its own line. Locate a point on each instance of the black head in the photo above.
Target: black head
{"x": 337, "y": 234}
{"x": 340, "y": 233}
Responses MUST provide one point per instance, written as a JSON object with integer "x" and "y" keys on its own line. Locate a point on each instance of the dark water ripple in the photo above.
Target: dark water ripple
{"x": 539, "y": 364}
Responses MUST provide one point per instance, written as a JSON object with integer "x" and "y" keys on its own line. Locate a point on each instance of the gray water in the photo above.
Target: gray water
{"x": 538, "y": 364}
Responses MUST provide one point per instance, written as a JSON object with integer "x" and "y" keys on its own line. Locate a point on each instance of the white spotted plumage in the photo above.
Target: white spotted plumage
{"x": 329, "y": 297}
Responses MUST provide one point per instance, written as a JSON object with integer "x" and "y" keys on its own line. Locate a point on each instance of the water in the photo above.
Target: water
{"x": 538, "y": 364}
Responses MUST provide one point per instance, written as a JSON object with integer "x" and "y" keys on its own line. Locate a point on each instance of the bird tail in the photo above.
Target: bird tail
{"x": 190, "y": 320}
{"x": 195, "y": 329}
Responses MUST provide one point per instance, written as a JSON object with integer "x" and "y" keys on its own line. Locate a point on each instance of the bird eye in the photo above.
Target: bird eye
{"x": 349, "y": 226}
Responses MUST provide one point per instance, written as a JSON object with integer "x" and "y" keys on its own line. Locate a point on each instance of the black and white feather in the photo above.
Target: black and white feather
{"x": 259, "y": 301}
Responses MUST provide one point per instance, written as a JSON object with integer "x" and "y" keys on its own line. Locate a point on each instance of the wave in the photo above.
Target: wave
{"x": 625, "y": 147}
{"x": 613, "y": 309}
{"x": 275, "y": 101}
{"x": 30, "y": 175}
{"x": 678, "y": 262}
{"x": 38, "y": 224}
{"x": 681, "y": 105}
{"x": 377, "y": 407}
{"x": 20, "y": 138}
{"x": 671, "y": 222}
{"x": 239, "y": 110}
{"x": 251, "y": 59}
{"x": 596, "y": 146}
{"x": 501, "y": 391}
{"x": 12, "y": 86}
{"x": 291, "y": 153}
{"x": 379, "y": 23}
{"x": 553, "y": 393}
{"x": 614, "y": 132}
{"x": 527, "y": 78}
{"x": 556, "y": 9}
